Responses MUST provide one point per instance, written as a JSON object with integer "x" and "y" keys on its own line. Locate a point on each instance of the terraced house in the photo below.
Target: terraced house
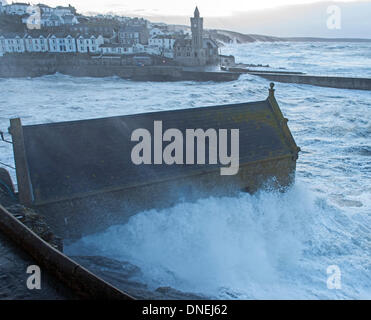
{"x": 11, "y": 43}
{"x": 36, "y": 41}
{"x": 89, "y": 43}
{"x": 133, "y": 35}
{"x": 16, "y": 8}
{"x": 62, "y": 43}
{"x": 163, "y": 41}
{"x": 116, "y": 49}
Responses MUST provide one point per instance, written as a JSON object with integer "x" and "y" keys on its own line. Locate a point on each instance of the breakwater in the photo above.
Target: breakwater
{"x": 151, "y": 68}
{"x": 321, "y": 81}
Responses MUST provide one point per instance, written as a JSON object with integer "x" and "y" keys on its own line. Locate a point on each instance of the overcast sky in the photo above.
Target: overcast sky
{"x": 271, "y": 17}
{"x": 178, "y": 7}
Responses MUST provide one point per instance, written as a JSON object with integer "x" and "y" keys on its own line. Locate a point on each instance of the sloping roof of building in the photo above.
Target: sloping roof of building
{"x": 61, "y": 7}
{"x": 88, "y": 35}
{"x": 11, "y": 35}
{"x": 20, "y": 4}
{"x": 183, "y": 42}
{"x": 54, "y": 17}
{"x": 79, "y": 158}
{"x": 68, "y": 17}
{"x": 133, "y": 29}
{"x": 63, "y": 34}
{"x": 37, "y": 33}
{"x": 209, "y": 41}
{"x": 164, "y": 36}
{"x": 43, "y": 5}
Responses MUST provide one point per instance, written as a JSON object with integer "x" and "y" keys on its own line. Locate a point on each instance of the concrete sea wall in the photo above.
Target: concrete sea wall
{"x": 35, "y": 65}
{"x": 321, "y": 81}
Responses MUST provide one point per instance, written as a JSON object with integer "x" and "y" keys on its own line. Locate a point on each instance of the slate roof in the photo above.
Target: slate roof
{"x": 37, "y": 33}
{"x": 92, "y": 156}
{"x": 11, "y": 35}
{"x": 164, "y": 36}
{"x": 183, "y": 42}
{"x": 133, "y": 29}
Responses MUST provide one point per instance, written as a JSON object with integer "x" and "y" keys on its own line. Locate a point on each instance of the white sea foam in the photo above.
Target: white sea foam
{"x": 269, "y": 245}
{"x": 262, "y": 246}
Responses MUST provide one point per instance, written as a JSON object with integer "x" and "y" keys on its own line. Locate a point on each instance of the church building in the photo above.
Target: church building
{"x": 196, "y": 51}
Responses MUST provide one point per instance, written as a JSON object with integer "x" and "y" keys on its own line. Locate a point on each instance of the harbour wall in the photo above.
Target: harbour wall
{"x": 35, "y": 65}
{"x": 321, "y": 81}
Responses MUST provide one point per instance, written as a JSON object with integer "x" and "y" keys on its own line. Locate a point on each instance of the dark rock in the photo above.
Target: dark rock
{"x": 32, "y": 220}
{"x": 125, "y": 269}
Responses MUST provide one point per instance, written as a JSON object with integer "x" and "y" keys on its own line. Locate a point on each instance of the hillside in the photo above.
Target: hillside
{"x": 226, "y": 36}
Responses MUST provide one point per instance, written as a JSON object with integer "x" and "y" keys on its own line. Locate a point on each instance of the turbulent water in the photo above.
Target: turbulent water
{"x": 269, "y": 245}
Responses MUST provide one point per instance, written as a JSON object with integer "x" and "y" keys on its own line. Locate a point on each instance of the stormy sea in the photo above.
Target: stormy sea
{"x": 269, "y": 245}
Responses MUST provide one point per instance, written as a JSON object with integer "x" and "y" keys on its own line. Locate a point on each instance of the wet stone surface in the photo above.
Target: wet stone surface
{"x": 14, "y": 261}
{"x": 13, "y": 277}
{"x": 123, "y": 276}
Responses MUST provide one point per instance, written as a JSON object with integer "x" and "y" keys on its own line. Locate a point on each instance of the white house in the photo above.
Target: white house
{"x": 152, "y": 50}
{"x": 36, "y": 42}
{"x": 89, "y": 43}
{"x": 69, "y": 19}
{"x": 116, "y": 48}
{"x": 155, "y": 32}
{"x": 62, "y": 43}
{"x": 122, "y": 19}
{"x": 11, "y": 43}
{"x": 61, "y": 11}
{"x": 45, "y": 20}
{"x": 52, "y": 20}
{"x": 17, "y": 8}
{"x": 45, "y": 9}
{"x": 139, "y": 48}
{"x": 164, "y": 42}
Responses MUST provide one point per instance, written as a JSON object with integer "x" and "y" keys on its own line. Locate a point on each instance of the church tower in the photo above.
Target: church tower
{"x": 197, "y": 27}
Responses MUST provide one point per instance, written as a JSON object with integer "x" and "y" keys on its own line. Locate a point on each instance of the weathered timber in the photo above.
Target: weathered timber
{"x": 23, "y": 175}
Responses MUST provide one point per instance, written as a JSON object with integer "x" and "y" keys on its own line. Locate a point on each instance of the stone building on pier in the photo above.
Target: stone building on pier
{"x": 196, "y": 51}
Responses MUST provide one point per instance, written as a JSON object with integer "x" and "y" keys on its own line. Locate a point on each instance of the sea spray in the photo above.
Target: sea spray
{"x": 267, "y": 245}
{"x": 332, "y": 225}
